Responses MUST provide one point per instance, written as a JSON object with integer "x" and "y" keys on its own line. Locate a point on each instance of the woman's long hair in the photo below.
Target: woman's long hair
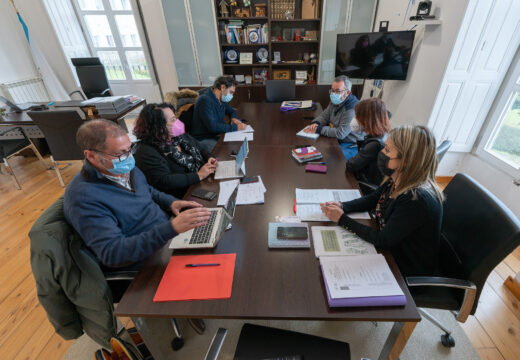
{"x": 150, "y": 126}
{"x": 416, "y": 148}
{"x": 372, "y": 115}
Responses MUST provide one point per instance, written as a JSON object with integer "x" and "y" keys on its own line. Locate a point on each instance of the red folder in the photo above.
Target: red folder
{"x": 197, "y": 283}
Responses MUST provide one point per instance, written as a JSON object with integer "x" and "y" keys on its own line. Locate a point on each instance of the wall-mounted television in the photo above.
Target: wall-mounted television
{"x": 375, "y": 55}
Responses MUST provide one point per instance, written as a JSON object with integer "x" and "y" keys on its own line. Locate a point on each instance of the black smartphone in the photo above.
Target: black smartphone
{"x": 244, "y": 121}
{"x": 203, "y": 194}
{"x": 292, "y": 233}
{"x": 249, "y": 180}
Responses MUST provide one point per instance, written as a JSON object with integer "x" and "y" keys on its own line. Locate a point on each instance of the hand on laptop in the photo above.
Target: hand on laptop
{"x": 177, "y": 205}
{"x": 311, "y": 128}
{"x": 240, "y": 124}
{"x": 209, "y": 168}
{"x": 190, "y": 219}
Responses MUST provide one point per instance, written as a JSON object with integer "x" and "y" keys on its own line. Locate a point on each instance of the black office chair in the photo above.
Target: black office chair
{"x": 186, "y": 116}
{"x": 11, "y": 145}
{"x": 280, "y": 90}
{"x": 478, "y": 232}
{"x": 59, "y": 128}
{"x": 92, "y": 77}
{"x": 260, "y": 342}
{"x": 442, "y": 149}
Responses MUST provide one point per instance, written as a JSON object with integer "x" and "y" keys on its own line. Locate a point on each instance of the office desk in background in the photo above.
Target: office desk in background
{"x": 283, "y": 284}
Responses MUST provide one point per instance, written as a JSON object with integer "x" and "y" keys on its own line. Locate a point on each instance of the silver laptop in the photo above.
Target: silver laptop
{"x": 19, "y": 107}
{"x": 233, "y": 168}
{"x": 208, "y": 235}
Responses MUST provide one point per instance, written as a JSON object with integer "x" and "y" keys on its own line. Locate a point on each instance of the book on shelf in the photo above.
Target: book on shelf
{"x": 237, "y": 33}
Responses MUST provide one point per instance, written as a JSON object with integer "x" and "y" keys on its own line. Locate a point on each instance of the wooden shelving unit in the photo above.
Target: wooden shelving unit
{"x": 290, "y": 50}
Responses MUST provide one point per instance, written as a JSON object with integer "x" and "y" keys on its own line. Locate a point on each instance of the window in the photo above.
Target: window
{"x": 500, "y": 143}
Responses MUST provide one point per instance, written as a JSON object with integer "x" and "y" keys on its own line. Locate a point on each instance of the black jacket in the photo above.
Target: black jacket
{"x": 411, "y": 233}
{"x": 364, "y": 164}
{"x": 163, "y": 172}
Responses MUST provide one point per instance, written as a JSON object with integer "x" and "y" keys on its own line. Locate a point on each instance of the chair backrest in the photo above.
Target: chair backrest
{"x": 185, "y": 114}
{"x": 59, "y": 128}
{"x": 92, "y": 76}
{"x": 478, "y": 232}
{"x": 280, "y": 90}
{"x": 442, "y": 149}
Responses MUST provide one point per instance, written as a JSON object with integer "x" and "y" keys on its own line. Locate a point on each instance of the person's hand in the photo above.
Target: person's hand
{"x": 207, "y": 169}
{"x": 241, "y": 126}
{"x": 332, "y": 211}
{"x": 178, "y": 205}
{"x": 311, "y": 129}
{"x": 236, "y": 121}
{"x": 213, "y": 161}
{"x": 337, "y": 203}
{"x": 190, "y": 219}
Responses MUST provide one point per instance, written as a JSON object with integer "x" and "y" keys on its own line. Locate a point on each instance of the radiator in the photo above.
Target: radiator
{"x": 24, "y": 91}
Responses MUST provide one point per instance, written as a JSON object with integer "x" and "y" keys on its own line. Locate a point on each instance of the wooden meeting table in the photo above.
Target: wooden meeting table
{"x": 282, "y": 284}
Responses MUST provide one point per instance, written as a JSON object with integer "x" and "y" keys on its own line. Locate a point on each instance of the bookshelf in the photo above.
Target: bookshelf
{"x": 296, "y": 39}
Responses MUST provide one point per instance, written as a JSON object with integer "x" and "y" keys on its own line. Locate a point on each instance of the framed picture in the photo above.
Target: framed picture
{"x": 281, "y": 74}
{"x": 259, "y": 75}
{"x": 246, "y": 58}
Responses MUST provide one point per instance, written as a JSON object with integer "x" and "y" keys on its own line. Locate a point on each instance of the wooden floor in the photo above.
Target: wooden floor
{"x": 25, "y": 332}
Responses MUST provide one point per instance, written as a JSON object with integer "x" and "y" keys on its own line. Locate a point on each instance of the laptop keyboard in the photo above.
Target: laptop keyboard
{"x": 201, "y": 234}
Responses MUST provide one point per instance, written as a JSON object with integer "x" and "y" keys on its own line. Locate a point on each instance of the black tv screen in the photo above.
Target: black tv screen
{"x": 382, "y": 55}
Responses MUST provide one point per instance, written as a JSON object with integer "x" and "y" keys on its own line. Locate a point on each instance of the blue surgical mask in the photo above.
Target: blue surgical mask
{"x": 335, "y": 98}
{"x": 122, "y": 167}
{"x": 227, "y": 98}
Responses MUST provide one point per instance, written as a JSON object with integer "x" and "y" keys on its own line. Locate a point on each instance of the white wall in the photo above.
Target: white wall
{"x": 162, "y": 53}
{"x": 411, "y": 101}
{"x": 15, "y": 57}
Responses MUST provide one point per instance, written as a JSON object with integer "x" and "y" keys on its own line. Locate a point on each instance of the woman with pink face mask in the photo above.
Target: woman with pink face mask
{"x": 171, "y": 159}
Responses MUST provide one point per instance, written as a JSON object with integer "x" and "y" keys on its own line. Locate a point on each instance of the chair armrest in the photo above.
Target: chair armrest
{"x": 216, "y": 344}
{"x": 469, "y": 288}
{"x": 106, "y": 91}
{"x": 79, "y": 92}
{"x": 120, "y": 275}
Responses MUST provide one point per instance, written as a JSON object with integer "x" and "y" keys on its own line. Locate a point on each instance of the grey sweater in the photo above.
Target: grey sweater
{"x": 340, "y": 116}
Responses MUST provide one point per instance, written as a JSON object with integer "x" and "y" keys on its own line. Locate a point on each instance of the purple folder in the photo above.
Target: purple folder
{"x": 397, "y": 300}
{"x": 316, "y": 168}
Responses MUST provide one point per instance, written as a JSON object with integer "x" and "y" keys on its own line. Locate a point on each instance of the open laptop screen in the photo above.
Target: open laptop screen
{"x": 241, "y": 155}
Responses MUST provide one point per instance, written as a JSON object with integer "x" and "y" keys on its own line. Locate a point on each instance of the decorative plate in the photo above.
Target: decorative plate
{"x": 262, "y": 54}
{"x": 231, "y": 55}
{"x": 253, "y": 37}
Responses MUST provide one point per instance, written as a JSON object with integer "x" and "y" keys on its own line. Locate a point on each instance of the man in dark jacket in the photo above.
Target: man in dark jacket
{"x": 121, "y": 219}
{"x": 211, "y": 108}
{"x": 335, "y": 120}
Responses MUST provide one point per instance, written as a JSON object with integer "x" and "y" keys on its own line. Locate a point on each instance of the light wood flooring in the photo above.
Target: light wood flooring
{"x": 25, "y": 332}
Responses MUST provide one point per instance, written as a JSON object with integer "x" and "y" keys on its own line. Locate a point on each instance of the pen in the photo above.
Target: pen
{"x": 214, "y": 160}
{"x": 198, "y": 265}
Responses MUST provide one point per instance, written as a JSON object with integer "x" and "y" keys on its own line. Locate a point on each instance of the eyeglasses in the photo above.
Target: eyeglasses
{"x": 337, "y": 92}
{"x": 123, "y": 156}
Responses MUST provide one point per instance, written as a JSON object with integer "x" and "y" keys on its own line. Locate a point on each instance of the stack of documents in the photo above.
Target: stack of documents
{"x": 312, "y": 136}
{"x": 336, "y": 241}
{"x": 240, "y": 135}
{"x": 274, "y": 242}
{"x": 308, "y": 203}
{"x": 364, "y": 280}
{"x": 248, "y": 194}
{"x": 294, "y": 105}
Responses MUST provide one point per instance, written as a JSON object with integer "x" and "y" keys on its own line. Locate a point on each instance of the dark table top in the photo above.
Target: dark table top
{"x": 268, "y": 283}
{"x": 22, "y": 118}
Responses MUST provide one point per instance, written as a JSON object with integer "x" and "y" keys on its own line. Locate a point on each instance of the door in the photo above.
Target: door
{"x": 115, "y": 34}
{"x": 487, "y": 40}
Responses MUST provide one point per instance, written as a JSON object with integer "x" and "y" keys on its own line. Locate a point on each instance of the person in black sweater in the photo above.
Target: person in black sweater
{"x": 372, "y": 117}
{"x": 407, "y": 207}
{"x": 171, "y": 159}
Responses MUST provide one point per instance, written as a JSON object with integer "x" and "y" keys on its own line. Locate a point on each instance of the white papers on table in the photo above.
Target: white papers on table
{"x": 288, "y": 219}
{"x": 248, "y": 129}
{"x": 312, "y": 136}
{"x": 335, "y": 241}
{"x": 359, "y": 276}
{"x": 238, "y": 136}
{"x": 308, "y": 202}
{"x": 305, "y": 104}
{"x": 248, "y": 194}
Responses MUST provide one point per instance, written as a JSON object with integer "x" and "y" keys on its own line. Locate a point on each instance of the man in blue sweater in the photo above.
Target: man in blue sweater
{"x": 121, "y": 219}
{"x": 335, "y": 120}
{"x": 211, "y": 108}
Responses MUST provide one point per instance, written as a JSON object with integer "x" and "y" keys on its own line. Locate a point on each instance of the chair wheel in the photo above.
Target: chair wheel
{"x": 447, "y": 341}
{"x": 177, "y": 343}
